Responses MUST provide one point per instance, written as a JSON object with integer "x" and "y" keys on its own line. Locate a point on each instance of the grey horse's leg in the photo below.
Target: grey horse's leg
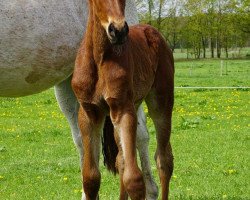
{"x": 142, "y": 142}
{"x": 70, "y": 106}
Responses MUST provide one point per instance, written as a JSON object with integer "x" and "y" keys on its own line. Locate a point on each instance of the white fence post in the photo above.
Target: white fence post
{"x": 221, "y": 67}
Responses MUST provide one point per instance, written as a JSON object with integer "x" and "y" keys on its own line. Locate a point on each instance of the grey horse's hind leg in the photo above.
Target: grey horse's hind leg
{"x": 142, "y": 141}
{"x": 70, "y": 106}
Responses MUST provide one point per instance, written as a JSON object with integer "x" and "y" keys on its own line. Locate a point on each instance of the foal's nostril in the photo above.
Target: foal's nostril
{"x": 112, "y": 30}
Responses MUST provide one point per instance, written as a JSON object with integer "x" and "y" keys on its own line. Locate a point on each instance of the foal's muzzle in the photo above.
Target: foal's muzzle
{"x": 118, "y": 36}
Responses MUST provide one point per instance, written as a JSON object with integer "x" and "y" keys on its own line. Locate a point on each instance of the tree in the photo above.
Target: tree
{"x": 145, "y": 8}
{"x": 173, "y": 24}
{"x": 199, "y": 25}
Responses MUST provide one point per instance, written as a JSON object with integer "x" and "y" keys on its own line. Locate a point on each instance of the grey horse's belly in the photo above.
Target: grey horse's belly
{"x": 38, "y": 43}
{"x": 39, "y": 40}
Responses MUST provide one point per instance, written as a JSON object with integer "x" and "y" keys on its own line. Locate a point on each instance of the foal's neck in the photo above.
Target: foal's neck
{"x": 96, "y": 36}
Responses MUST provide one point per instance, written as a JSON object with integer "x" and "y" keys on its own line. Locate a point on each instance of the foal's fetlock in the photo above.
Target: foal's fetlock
{"x": 91, "y": 185}
{"x": 135, "y": 185}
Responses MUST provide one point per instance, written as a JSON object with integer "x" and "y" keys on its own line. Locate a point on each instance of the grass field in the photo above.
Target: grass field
{"x": 210, "y": 140}
{"x": 232, "y": 53}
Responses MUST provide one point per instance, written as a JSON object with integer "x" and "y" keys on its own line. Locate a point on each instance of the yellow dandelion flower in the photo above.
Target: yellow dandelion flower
{"x": 231, "y": 171}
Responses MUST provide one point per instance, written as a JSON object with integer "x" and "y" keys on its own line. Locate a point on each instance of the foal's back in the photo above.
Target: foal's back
{"x": 151, "y": 58}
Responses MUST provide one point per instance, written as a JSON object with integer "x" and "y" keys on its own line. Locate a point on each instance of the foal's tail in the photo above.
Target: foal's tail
{"x": 109, "y": 147}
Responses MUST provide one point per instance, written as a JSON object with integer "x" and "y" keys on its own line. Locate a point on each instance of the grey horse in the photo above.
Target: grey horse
{"x": 38, "y": 45}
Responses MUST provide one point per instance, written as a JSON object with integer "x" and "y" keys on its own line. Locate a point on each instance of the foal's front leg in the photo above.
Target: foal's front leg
{"x": 91, "y": 124}
{"x": 125, "y": 122}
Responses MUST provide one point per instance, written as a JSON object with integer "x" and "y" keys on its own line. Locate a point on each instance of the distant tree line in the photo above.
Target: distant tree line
{"x": 199, "y": 25}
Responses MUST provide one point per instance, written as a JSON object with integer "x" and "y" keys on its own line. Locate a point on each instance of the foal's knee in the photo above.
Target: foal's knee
{"x": 134, "y": 184}
{"x": 91, "y": 183}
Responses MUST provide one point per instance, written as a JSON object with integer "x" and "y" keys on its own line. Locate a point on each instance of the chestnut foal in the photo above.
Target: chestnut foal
{"x": 117, "y": 67}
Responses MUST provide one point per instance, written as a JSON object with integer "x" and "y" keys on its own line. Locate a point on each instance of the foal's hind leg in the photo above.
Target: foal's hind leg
{"x": 160, "y": 102}
{"x": 142, "y": 141}
{"x": 160, "y": 110}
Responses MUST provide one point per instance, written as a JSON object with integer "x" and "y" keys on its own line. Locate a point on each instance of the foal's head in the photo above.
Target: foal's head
{"x": 112, "y": 18}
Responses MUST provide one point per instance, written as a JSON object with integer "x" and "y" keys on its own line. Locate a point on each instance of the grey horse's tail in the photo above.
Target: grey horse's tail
{"x": 109, "y": 147}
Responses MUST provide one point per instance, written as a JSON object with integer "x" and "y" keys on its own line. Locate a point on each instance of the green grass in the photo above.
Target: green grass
{"x": 209, "y": 73}
{"x": 210, "y": 140}
{"x": 232, "y": 53}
